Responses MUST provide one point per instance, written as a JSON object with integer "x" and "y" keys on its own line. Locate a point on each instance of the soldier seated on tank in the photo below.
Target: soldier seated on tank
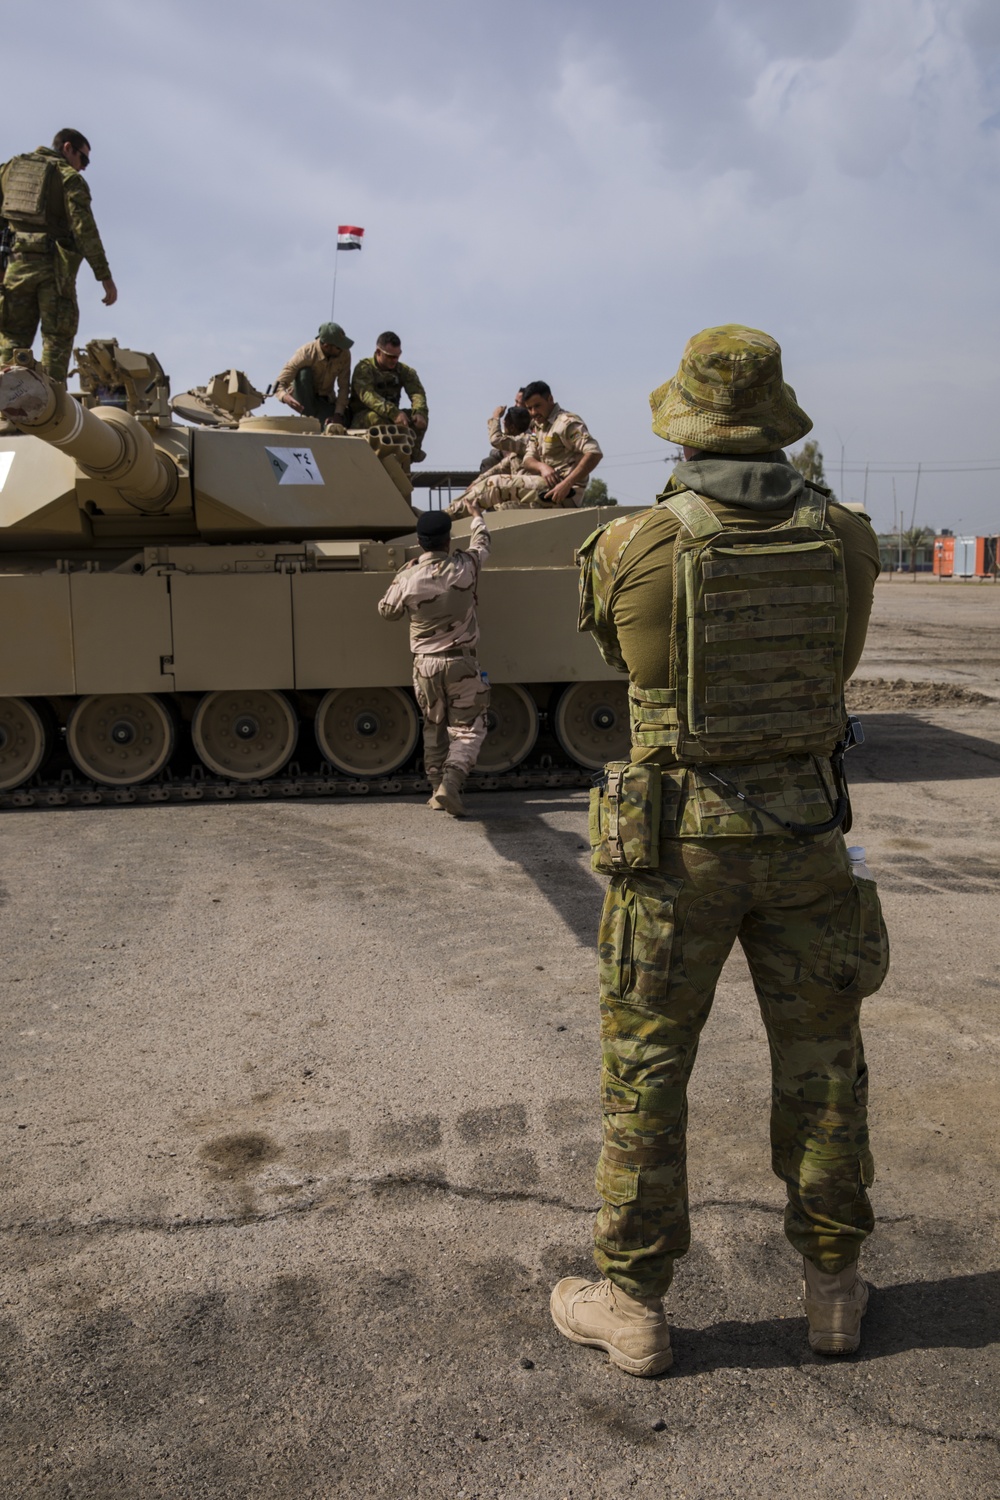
{"x": 307, "y": 381}
{"x": 559, "y": 455}
{"x": 508, "y": 428}
{"x": 506, "y": 462}
{"x": 377, "y": 387}
{"x": 508, "y": 432}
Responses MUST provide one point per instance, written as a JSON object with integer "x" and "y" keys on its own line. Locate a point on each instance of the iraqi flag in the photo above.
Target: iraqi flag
{"x": 349, "y": 237}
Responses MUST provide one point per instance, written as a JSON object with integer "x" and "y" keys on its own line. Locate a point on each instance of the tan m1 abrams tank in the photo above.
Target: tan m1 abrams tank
{"x": 190, "y": 611}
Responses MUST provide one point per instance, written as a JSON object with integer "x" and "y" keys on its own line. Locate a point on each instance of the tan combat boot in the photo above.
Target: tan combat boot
{"x": 632, "y": 1330}
{"x": 434, "y": 777}
{"x": 449, "y": 793}
{"x": 835, "y": 1304}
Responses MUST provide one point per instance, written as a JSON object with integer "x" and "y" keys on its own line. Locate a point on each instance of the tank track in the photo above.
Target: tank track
{"x": 74, "y": 790}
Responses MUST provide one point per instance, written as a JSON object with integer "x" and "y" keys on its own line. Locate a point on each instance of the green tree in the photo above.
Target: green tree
{"x": 597, "y": 494}
{"x": 809, "y": 462}
{"x": 914, "y": 539}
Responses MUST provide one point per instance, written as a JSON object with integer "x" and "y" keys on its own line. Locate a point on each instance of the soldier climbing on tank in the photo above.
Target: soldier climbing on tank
{"x": 438, "y": 592}
{"x": 46, "y": 204}
{"x": 377, "y": 387}
{"x": 306, "y": 383}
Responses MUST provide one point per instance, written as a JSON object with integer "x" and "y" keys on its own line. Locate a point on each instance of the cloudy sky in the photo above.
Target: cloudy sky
{"x": 564, "y": 190}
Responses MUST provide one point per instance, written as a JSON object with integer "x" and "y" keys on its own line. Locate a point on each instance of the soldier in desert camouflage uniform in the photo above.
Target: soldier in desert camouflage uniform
{"x": 508, "y": 429}
{"x": 46, "y": 202}
{"x": 736, "y": 692}
{"x": 510, "y": 442}
{"x": 438, "y": 592}
{"x": 559, "y": 455}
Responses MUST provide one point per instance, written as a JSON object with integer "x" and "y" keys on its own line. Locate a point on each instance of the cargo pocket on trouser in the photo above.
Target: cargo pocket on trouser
{"x": 636, "y": 939}
{"x": 854, "y": 956}
{"x": 468, "y": 696}
{"x": 468, "y": 700}
{"x": 641, "y": 1177}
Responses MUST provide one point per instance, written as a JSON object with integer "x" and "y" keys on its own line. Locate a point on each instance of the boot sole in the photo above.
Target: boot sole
{"x": 653, "y": 1364}
{"x": 835, "y": 1343}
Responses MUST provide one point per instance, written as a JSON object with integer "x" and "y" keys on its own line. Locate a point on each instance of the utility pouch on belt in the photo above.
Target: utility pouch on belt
{"x": 625, "y": 814}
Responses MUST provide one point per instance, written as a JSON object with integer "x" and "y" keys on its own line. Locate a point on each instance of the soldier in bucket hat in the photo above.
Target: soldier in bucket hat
{"x": 738, "y": 606}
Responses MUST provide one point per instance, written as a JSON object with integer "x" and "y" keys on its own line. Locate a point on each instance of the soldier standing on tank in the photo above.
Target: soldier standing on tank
{"x": 46, "y": 204}
{"x": 438, "y": 592}
{"x": 306, "y": 383}
{"x": 737, "y": 705}
{"x": 377, "y": 387}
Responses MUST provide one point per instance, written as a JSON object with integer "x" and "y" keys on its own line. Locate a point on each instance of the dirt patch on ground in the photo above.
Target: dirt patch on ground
{"x": 880, "y": 695}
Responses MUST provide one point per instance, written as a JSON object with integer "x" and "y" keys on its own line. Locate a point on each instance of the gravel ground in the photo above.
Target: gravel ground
{"x": 298, "y": 1111}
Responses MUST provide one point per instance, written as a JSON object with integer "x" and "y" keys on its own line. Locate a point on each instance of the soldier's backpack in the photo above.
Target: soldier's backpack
{"x": 758, "y": 638}
{"x": 27, "y": 192}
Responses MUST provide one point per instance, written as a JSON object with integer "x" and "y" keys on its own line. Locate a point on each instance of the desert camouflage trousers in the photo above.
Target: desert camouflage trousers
{"x": 453, "y": 699}
{"x": 815, "y": 943}
{"x": 30, "y": 295}
{"x": 520, "y": 492}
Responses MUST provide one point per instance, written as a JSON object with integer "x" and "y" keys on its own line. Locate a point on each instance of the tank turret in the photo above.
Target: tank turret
{"x": 190, "y": 610}
{"x": 129, "y": 474}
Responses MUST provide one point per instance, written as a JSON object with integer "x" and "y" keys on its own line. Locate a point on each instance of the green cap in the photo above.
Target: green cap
{"x": 728, "y": 395}
{"x": 332, "y": 333}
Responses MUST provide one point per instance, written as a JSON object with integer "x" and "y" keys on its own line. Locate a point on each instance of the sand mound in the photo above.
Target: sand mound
{"x": 879, "y": 695}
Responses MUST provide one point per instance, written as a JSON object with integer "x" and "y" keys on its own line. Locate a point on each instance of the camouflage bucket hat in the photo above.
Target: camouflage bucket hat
{"x": 728, "y": 395}
{"x": 332, "y": 333}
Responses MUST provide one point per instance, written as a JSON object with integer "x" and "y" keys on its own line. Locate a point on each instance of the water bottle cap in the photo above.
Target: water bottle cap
{"x": 856, "y": 854}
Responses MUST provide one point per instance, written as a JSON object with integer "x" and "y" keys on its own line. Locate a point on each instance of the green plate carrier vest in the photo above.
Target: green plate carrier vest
{"x": 28, "y": 194}
{"x": 758, "y": 640}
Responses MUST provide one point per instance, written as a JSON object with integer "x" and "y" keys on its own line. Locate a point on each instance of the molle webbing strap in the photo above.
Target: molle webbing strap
{"x": 791, "y": 625}
{"x": 768, "y": 562}
{"x": 613, "y": 798}
{"x": 653, "y": 715}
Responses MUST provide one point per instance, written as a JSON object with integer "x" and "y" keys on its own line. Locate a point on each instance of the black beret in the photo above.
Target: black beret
{"x": 434, "y": 526}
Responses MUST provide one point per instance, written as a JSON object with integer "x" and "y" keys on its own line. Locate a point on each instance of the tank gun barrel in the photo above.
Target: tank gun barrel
{"x": 107, "y": 443}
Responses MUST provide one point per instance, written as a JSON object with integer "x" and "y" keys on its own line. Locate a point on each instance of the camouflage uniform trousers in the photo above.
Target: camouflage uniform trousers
{"x": 453, "y": 699}
{"x": 523, "y": 491}
{"x": 815, "y": 942}
{"x": 31, "y": 294}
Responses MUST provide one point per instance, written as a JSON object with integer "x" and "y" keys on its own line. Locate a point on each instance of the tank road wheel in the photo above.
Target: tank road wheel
{"x": 367, "y": 731}
{"x": 120, "y": 738}
{"x": 25, "y": 737}
{"x": 511, "y": 728}
{"x": 591, "y": 723}
{"x": 246, "y": 735}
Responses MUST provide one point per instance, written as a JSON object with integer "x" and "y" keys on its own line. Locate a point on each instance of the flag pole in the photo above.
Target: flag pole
{"x": 336, "y": 263}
